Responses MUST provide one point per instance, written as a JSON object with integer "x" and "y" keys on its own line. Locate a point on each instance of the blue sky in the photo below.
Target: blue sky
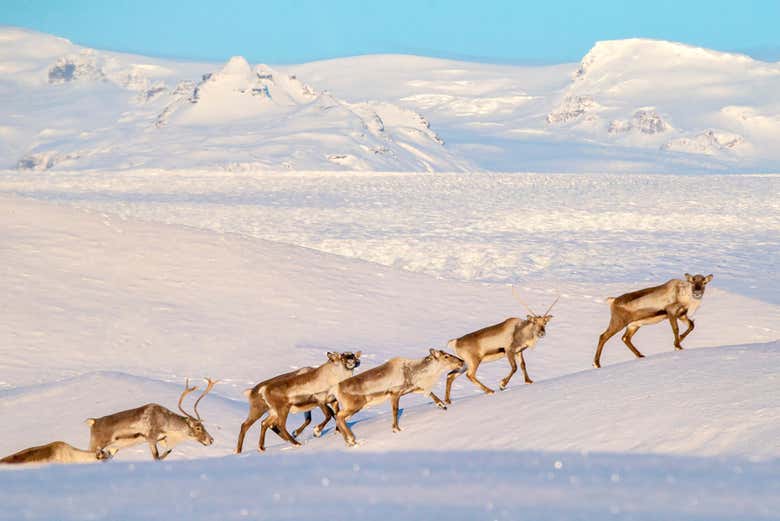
{"x": 295, "y": 31}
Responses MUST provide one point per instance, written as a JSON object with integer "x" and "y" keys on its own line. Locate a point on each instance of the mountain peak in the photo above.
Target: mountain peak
{"x": 650, "y": 53}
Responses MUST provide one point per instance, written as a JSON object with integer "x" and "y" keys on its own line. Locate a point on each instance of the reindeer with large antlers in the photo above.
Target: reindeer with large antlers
{"x": 150, "y": 423}
{"x": 508, "y": 339}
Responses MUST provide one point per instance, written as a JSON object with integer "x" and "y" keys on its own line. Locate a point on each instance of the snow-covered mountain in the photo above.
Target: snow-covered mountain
{"x": 629, "y": 105}
{"x": 76, "y": 108}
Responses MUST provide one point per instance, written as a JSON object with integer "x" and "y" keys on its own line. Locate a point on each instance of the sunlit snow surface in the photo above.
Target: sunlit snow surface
{"x": 103, "y": 312}
{"x": 481, "y": 227}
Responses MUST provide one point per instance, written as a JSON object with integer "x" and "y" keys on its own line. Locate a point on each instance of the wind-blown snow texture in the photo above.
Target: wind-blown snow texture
{"x": 630, "y": 105}
{"x": 105, "y": 313}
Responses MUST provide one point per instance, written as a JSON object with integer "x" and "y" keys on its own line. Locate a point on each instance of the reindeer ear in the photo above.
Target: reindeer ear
{"x": 529, "y": 317}
{"x": 689, "y": 277}
{"x": 708, "y": 278}
{"x": 357, "y": 354}
{"x": 433, "y": 352}
{"x": 333, "y": 356}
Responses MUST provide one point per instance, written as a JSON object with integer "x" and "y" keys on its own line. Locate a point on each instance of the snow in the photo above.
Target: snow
{"x": 130, "y": 308}
{"x": 624, "y": 108}
{"x": 638, "y": 229}
{"x": 165, "y": 220}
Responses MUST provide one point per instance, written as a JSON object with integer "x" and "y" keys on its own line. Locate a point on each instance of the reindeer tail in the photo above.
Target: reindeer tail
{"x": 452, "y": 344}
{"x": 248, "y": 392}
{"x": 90, "y": 421}
{"x": 610, "y": 300}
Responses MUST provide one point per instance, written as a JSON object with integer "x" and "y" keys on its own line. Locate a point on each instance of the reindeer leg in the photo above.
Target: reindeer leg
{"x": 522, "y": 367}
{"x": 328, "y": 413}
{"x": 675, "y": 330}
{"x": 341, "y": 421}
{"x": 395, "y": 398}
{"x": 471, "y": 374}
{"x": 630, "y": 332}
{"x": 306, "y": 422}
{"x": 250, "y": 420}
{"x": 510, "y": 355}
{"x": 155, "y": 454}
{"x": 688, "y": 322}
{"x": 263, "y": 428}
{"x": 614, "y": 327}
{"x": 282, "y": 424}
{"x": 437, "y": 401}
{"x": 450, "y": 377}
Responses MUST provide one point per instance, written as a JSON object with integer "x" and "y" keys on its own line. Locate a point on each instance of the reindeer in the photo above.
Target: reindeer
{"x": 57, "y": 452}
{"x": 676, "y": 299}
{"x": 391, "y": 380}
{"x": 507, "y": 339}
{"x": 258, "y": 407}
{"x": 302, "y": 392}
{"x": 151, "y": 423}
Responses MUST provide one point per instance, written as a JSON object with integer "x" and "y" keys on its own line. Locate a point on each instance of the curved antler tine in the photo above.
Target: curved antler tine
{"x": 517, "y": 296}
{"x": 209, "y": 387}
{"x": 551, "y": 305}
{"x": 187, "y": 390}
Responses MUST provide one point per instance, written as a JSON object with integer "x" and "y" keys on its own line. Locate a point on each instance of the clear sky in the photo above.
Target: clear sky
{"x": 293, "y": 31}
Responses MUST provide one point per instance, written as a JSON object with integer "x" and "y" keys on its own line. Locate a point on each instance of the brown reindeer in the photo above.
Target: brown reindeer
{"x": 676, "y": 299}
{"x": 57, "y": 452}
{"x": 258, "y": 407}
{"x": 507, "y": 339}
{"x": 302, "y": 392}
{"x": 150, "y": 423}
{"x": 391, "y": 380}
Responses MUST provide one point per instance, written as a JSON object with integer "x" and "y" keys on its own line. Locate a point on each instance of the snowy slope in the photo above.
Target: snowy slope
{"x": 630, "y": 105}
{"x": 163, "y": 302}
{"x": 541, "y": 228}
{"x": 103, "y": 313}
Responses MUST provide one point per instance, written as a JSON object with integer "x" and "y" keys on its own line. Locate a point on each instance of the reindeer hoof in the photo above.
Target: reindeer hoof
{"x": 260, "y": 449}
{"x": 317, "y": 432}
{"x": 490, "y": 391}
{"x": 597, "y": 365}
{"x": 396, "y": 429}
{"x": 448, "y": 401}
{"x": 529, "y": 381}
{"x": 678, "y": 348}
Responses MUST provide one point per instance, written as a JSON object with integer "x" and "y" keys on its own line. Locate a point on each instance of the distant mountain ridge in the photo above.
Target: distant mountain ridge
{"x": 629, "y": 105}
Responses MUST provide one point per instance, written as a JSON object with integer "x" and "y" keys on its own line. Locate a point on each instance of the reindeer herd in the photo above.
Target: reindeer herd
{"x": 335, "y": 390}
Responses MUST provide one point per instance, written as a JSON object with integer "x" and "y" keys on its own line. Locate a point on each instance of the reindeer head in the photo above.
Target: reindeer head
{"x": 449, "y": 361}
{"x": 697, "y": 282}
{"x": 350, "y": 361}
{"x": 196, "y": 430}
{"x": 537, "y": 322}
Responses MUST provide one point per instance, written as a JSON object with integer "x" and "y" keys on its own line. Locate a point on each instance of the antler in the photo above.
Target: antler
{"x": 551, "y": 305}
{"x": 517, "y": 296}
{"x": 187, "y": 390}
{"x": 209, "y": 387}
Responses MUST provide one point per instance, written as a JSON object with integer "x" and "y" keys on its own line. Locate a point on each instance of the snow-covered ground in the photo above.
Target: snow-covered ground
{"x": 629, "y": 105}
{"x": 105, "y": 311}
{"x": 543, "y": 228}
{"x": 162, "y": 220}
